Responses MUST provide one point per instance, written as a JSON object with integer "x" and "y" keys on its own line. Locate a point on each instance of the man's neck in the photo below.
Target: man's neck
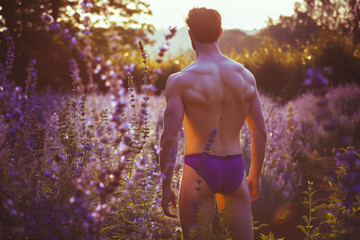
{"x": 206, "y": 51}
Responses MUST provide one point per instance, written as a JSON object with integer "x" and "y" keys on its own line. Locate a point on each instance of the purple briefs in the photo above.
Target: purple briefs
{"x": 223, "y": 174}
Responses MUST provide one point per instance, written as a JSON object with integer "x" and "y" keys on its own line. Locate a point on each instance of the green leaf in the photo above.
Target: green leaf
{"x": 301, "y": 227}
{"x": 306, "y": 219}
{"x": 313, "y": 192}
{"x": 320, "y": 206}
{"x": 271, "y": 236}
{"x": 263, "y": 237}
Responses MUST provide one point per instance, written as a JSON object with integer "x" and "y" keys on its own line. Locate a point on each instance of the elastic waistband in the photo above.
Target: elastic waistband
{"x": 200, "y": 155}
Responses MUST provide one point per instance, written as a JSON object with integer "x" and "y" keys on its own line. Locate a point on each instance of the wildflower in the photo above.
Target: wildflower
{"x": 172, "y": 33}
{"x": 48, "y": 19}
{"x": 10, "y": 53}
{"x": 143, "y": 53}
{"x": 87, "y": 32}
{"x": 315, "y": 78}
{"x": 73, "y": 41}
{"x": 129, "y": 68}
{"x": 97, "y": 69}
{"x": 350, "y": 184}
{"x": 86, "y": 5}
{"x": 165, "y": 46}
{"x": 148, "y": 89}
{"x": 158, "y": 71}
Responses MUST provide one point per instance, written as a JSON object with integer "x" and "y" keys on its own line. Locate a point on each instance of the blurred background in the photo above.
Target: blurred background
{"x": 279, "y": 41}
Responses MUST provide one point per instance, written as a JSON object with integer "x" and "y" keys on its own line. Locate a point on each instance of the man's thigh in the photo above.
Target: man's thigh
{"x": 238, "y": 204}
{"x": 189, "y": 196}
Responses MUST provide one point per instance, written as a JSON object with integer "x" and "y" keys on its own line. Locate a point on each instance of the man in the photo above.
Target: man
{"x": 214, "y": 92}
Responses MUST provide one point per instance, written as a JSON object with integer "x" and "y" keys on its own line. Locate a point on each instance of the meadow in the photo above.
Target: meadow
{"x": 77, "y": 167}
{"x": 84, "y": 163}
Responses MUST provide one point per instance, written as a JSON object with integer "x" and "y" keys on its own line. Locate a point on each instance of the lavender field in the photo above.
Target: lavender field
{"x": 68, "y": 174}
{"x": 79, "y": 158}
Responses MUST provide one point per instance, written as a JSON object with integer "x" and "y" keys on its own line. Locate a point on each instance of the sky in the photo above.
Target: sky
{"x": 242, "y": 14}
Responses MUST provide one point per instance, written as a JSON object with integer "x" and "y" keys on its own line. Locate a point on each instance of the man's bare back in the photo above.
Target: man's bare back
{"x": 214, "y": 92}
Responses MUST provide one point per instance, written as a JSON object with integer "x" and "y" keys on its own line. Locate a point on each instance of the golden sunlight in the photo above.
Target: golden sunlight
{"x": 236, "y": 13}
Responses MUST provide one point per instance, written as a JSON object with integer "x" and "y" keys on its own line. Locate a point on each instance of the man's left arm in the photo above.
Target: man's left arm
{"x": 173, "y": 117}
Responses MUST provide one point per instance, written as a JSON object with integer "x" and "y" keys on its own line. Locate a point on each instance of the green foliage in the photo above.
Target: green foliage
{"x": 279, "y": 68}
{"x": 336, "y": 53}
{"x": 85, "y": 25}
{"x": 311, "y": 232}
{"x": 312, "y": 16}
{"x": 237, "y": 41}
{"x": 284, "y": 64}
{"x": 335, "y": 218}
{"x": 342, "y": 15}
{"x": 339, "y": 220}
{"x": 269, "y": 237}
{"x": 257, "y": 227}
{"x": 223, "y": 221}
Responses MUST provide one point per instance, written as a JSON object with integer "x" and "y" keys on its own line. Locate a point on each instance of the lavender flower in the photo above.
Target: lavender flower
{"x": 207, "y": 148}
{"x": 10, "y": 53}
{"x": 165, "y": 46}
{"x": 143, "y": 53}
{"x": 315, "y": 78}
{"x": 129, "y": 68}
{"x": 350, "y": 184}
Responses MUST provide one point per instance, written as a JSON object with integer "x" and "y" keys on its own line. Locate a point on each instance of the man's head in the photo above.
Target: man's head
{"x": 204, "y": 24}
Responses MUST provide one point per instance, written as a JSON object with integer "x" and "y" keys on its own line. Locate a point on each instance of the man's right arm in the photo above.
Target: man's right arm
{"x": 256, "y": 124}
{"x": 173, "y": 117}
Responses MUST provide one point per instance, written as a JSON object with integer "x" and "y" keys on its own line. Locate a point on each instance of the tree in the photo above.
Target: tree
{"x": 339, "y": 15}
{"x": 93, "y": 21}
{"x": 313, "y": 16}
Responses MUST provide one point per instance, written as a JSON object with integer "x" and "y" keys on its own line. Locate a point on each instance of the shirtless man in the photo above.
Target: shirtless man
{"x": 214, "y": 92}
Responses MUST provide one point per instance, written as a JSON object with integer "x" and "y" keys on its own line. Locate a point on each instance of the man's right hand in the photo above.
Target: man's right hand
{"x": 254, "y": 187}
{"x": 168, "y": 196}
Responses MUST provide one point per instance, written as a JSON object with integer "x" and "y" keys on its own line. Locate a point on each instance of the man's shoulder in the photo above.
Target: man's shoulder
{"x": 175, "y": 82}
{"x": 248, "y": 76}
{"x": 180, "y": 77}
{"x": 175, "y": 78}
{"x": 243, "y": 71}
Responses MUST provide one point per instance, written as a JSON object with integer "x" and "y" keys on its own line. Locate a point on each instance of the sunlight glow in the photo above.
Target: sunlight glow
{"x": 235, "y": 13}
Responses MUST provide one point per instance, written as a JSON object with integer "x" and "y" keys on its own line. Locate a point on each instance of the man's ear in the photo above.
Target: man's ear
{"x": 221, "y": 31}
{"x": 190, "y": 34}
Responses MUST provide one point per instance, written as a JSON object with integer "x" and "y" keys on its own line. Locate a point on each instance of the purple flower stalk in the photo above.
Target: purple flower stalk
{"x": 165, "y": 47}
{"x": 10, "y": 54}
